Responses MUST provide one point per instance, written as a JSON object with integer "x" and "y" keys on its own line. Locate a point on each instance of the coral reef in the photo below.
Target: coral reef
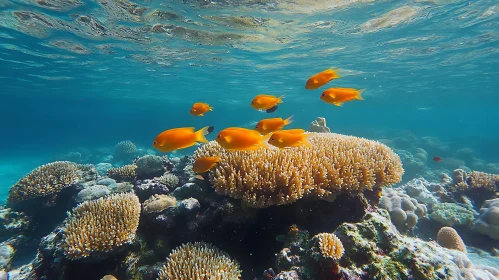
{"x": 12, "y": 223}
{"x": 101, "y": 226}
{"x": 449, "y": 238}
{"x": 45, "y": 180}
{"x": 125, "y": 151}
{"x": 199, "y": 260}
{"x": 404, "y": 210}
{"x": 488, "y": 221}
{"x": 319, "y": 125}
{"x": 418, "y": 189}
{"x": 334, "y": 163}
{"x": 328, "y": 246}
{"x": 150, "y": 166}
{"x": 451, "y": 214}
{"x": 124, "y": 173}
{"x": 158, "y": 203}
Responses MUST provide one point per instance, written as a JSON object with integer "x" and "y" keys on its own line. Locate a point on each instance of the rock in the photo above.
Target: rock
{"x": 319, "y": 125}
{"x": 92, "y": 192}
{"x": 7, "y": 251}
{"x": 106, "y": 182}
{"x": 188, "y": 190}
{"x": 149, "y": 166}
{"x": 12, "y": 223}
{"x": 102, "y": 168}
{"x": 146, "y": 188}
{"x": 191, "y": 204}
{"x": 488, "y": 221}
{"x": 417, "y": 189}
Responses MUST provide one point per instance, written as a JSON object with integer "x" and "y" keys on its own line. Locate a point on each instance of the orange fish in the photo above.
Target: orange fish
{"x": 289, "y": 138}
{"x": 322, "y": 78}
{"x": 265, "y": 102}
{"x": 338, "y": 96}
{"x": 267, "y": 126}
{"x": 179, "y": 138}
{"x": 236, "y": 138}
{"x": 203, "y": 164}
{"x": 199, "y": 108}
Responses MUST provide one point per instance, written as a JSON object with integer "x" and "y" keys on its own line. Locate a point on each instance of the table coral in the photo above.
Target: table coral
{"x": 45, "y": 180}
{"x": 101, "y": 226}
{"x": 333, "y": 163}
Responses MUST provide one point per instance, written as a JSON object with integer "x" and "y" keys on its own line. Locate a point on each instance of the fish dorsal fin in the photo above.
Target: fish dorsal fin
{"x": 294, "y": 131}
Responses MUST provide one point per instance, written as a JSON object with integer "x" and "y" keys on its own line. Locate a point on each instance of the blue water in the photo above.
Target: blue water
{"x": 433, "y": 74}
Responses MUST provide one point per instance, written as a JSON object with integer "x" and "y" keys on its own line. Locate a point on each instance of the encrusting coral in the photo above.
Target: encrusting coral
{"x": 124, "y": 173}
{"x": 101, "y": 226}
{"x": 45, "y": 180}
{"x": 449, "y": 238}
{"x": 158, "y": 203}
{"x": 404, "y": 210}
{"x": 333, "y": 163}
{"x": 488, "y": 221}
{"x": 199, "y": 260}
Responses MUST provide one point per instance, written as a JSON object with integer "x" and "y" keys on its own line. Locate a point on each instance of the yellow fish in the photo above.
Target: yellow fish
{"x": 322, "y": 78}
{"x": 289, "y": 138}
{"x": 265, "y": 102}
{"x": 199, "y": 108}
{"x": 203, "y": 164}
{"x": 338, "y": 96}
{"x": 179, "y": 138}
{"x": 237, "y": 138}
{"x": 267, "y": 126}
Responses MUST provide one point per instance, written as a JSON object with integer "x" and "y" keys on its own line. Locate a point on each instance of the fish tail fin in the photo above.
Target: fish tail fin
{"x": 359, "y": 94}
{"x": 306, "y": 138}
{"x": 202, "y": 132}
{"x": 335, "y": 73}
{"x": 279, "y": 99}
{"x": 288, "y": 120}
{"x": 264, "y": 140}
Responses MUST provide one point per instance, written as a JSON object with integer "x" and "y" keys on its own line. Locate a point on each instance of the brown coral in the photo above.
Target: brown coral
{"x": 45, "y": 180}
{"x": 330, "y": 246}
{"x": 449, "y": 238}
{"x": 334, "y": 163}
{"x": 101, "y": 225}
{"x": 158, "y": 203}
{"x": 199, "y": 260}
{"x": 474, "y": 179}
{"x": 125, "y": 173}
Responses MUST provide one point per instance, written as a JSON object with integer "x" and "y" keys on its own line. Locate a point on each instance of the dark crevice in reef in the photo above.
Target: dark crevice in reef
{"x": 253, "y": 242}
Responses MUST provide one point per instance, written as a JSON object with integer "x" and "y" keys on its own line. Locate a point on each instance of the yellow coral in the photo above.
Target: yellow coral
{"x": 158, "y": 203}
{"x": 101, "y": 225}
{"x": 474, "y": 179}
{"x": 330, "y": 246}
{"x": 199, "y": 260}
{"x": 124, "y": 173}
{"x": 45, "y": 180}
{"x": 449, "y": 238}
{"x": 334, "y": 163}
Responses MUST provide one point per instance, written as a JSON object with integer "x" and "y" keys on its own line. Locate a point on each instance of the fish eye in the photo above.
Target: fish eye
{"x": 155, "y": 142}
{"x": 218, "y": 136}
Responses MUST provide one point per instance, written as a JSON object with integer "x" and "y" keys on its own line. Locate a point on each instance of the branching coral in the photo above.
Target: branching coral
{"x": 474, "y": 179}
{"x": 45, "y": 180}
{"x": 101, "y": 225}
{"x": 333, "y": 163}
{"x": 125, "y": 173}
{"x": 199, "y": 260}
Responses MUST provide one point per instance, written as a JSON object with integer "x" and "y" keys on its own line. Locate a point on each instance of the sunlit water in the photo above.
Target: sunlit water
{"x": 90, "y": 74}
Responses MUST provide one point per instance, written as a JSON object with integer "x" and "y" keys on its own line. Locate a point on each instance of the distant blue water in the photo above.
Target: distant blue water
{"x": 432, "y": 76}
